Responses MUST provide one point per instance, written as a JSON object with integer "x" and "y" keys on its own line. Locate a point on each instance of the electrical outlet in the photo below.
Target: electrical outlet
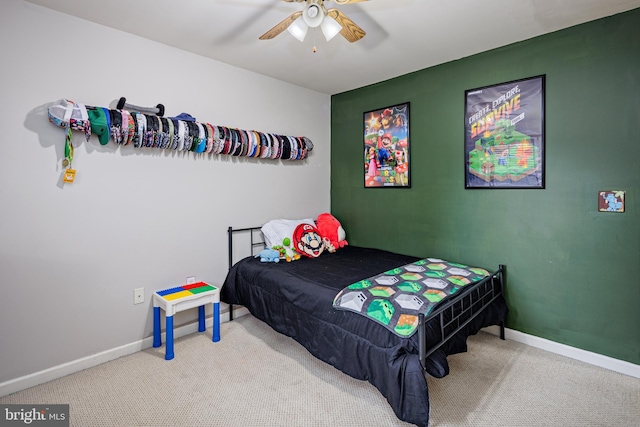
{"x": 138, "y": 296}
{"x": 191, "y": 279}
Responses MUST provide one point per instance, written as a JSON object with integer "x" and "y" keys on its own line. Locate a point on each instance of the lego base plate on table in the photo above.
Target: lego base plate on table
{"x": 180, "y": 298}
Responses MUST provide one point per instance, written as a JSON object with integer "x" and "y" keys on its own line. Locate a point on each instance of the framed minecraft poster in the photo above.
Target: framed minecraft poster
{"x": 387, "y": 148}
{"x": 504, "y": 135}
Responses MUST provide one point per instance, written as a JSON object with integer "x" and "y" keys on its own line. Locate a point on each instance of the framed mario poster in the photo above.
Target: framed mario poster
{"x": 387, "y": 148}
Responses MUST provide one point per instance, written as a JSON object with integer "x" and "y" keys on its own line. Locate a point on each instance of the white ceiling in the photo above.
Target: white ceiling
{"x": 402, "y": 35}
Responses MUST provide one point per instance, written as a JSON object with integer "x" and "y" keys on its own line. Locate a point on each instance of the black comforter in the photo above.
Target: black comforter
{"x": 296, "y": 299}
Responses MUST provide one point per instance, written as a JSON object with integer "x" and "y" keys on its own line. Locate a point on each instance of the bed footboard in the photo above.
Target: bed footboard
{"x": 453, "y": 316}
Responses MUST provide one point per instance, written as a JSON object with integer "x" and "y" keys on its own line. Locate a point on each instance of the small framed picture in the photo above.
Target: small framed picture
{"x": 387, "y": 148}
{"x": 611, "y": 201}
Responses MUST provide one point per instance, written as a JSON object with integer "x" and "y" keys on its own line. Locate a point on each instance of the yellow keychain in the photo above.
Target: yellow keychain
{"x": 69, "y": 175}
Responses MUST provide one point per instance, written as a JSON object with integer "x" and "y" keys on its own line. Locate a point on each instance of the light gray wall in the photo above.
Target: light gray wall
{"x": 71, "y": 255}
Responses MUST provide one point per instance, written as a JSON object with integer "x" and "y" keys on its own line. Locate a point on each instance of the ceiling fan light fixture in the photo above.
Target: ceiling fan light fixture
{"x": 313, "y": 15}
{"x": 330, "y": 27}
{"x": 298, "y": 29}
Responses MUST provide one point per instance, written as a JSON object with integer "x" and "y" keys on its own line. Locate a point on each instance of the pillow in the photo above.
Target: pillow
{"x": 307, "y": 241}
{"x": 278, "y": 234}
{"x": 331, "y": 230}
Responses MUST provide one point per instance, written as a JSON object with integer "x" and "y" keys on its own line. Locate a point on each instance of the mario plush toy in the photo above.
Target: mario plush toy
{"x": 307, "y": 241}
{"x": 331, "y": 230}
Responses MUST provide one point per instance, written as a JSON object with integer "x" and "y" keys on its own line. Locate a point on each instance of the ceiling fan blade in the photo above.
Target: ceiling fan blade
{"x": 350, "y": 30}
{"x": 345, "y": 1}
{"x": 281, "y": 26}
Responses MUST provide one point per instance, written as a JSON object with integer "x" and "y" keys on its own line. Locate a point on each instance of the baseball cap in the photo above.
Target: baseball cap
{"x": 186, "y": 117}
{"x": 68, "y": 114}
{"x": 99, "y": 124}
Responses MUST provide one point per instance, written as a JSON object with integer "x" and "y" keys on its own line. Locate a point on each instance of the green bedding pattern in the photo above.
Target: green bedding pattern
{"x": 394, "y": 298}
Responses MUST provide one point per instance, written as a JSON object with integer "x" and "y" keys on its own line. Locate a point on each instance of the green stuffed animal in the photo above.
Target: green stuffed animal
{"x": 287, "y": 252}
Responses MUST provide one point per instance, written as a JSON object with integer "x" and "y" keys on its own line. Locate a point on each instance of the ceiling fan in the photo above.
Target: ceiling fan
{"x": 315, "y": 14}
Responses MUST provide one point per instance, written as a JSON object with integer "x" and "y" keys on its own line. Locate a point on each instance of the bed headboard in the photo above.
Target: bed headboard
{"x": 254, "y": 237}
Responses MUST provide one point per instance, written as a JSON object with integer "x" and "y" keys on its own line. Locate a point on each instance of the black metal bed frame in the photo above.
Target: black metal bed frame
{"x": 454, "y": 315}
{"x": 451, "y": 317}
{"x": 253, "y": 243}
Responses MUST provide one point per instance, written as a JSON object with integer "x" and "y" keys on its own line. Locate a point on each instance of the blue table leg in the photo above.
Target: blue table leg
{"x": 216, "y": 322}
{"x": 201, "y": 326}
{"x": 157, "y": 340}
{"x": 169, "y": 351}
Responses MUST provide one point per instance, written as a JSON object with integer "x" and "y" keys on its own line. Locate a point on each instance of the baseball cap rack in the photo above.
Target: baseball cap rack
{"x": 158, "y": 110}
{"x": 145, "y": 127}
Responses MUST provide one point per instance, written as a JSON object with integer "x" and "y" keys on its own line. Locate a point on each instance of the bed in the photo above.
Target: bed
{"x": 297, "y": 299}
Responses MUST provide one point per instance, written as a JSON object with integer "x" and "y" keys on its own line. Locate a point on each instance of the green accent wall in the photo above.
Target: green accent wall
{"x": 573, "y": 273}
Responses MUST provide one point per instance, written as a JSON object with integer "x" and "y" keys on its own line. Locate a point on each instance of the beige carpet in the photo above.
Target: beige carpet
{"x": 257, "y": 377}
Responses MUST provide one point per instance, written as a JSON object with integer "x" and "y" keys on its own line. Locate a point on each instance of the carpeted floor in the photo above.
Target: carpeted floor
{"x": 257, "y": 377}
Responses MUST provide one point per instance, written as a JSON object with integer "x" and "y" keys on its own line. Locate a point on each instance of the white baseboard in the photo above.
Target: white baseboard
{"x": 596, "y": 359}
{"x": 78, "y": 365}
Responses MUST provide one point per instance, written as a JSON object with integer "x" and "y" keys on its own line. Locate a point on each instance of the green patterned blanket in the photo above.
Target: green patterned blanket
{"x": 396, "y": 297}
